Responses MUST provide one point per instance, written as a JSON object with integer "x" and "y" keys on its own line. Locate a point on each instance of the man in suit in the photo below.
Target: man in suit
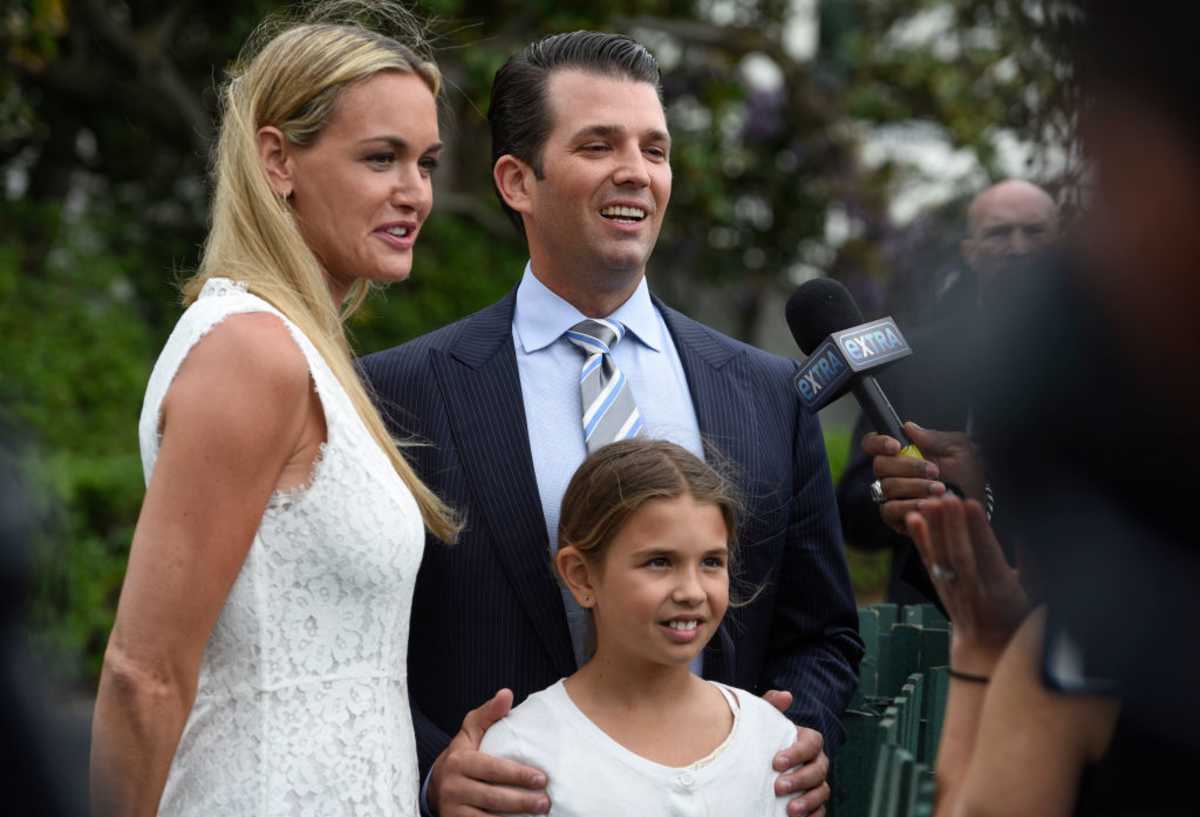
{"x": 581, "y": 156}
{"x": 1006, "y": 224}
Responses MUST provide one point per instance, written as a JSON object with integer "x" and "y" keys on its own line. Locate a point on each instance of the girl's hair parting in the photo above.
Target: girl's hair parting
{"x": 621, "y": 477}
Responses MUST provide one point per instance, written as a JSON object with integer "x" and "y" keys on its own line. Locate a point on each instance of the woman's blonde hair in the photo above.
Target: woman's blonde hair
{"x": 290, "y": 75}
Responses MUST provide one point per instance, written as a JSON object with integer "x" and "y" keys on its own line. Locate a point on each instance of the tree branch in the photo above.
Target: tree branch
{"x": 148, "y": 50}
{"x": 737, "y": 39}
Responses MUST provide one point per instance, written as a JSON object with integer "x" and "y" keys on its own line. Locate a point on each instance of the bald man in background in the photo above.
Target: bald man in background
{"x": 1007, "y": 224}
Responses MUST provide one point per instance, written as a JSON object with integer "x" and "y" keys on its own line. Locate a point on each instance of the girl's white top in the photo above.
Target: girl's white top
{"x": 591, "y": 774}
{"x": 302, "y": 703}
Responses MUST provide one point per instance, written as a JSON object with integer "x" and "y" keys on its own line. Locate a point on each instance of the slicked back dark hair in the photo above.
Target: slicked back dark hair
{"x": 519, "y": 113}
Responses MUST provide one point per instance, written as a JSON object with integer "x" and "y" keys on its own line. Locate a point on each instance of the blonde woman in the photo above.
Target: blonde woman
{"x": 257, "y": 663}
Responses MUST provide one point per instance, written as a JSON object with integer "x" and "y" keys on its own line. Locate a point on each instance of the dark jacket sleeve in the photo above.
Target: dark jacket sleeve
{"x": 815, "y": 648}
{"x": 861, "y": 522}
{"x": 431, "y": 741}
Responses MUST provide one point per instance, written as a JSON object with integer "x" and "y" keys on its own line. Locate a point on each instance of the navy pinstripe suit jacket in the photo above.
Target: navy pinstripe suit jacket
{"x": 487, "y": 612}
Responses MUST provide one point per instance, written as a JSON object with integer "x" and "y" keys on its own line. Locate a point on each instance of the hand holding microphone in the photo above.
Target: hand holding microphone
{"x": 844, "y": 352}
{"x": 950, "y": 460}
{"x": 843, "y": 355}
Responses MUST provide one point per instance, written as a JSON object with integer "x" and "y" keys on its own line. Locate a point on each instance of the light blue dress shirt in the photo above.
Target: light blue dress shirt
{"x": 548, "y": 365}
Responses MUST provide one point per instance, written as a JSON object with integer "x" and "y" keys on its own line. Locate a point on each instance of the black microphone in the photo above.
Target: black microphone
{"x": 843, "y": 351}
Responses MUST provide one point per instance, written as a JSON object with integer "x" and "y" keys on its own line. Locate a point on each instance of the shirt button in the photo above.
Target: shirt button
{"x": 686, "y": 780}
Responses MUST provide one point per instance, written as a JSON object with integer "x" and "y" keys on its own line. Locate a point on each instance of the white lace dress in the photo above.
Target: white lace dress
{"x": 302, "y": 703}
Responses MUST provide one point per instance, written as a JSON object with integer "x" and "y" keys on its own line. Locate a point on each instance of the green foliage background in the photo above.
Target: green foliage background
{"x": 106, "y": 112}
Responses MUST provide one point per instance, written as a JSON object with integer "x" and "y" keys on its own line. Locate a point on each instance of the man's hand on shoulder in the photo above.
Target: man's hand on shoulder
{"x": 465, "y": 782}
{"x": 803, "y": 766}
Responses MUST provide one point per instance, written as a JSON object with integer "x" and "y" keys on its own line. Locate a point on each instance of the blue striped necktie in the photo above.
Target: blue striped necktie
{"x": 609, "y": 412}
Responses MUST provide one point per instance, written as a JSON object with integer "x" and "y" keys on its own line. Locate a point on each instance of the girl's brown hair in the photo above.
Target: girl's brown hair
{"x": 621, "y": 477}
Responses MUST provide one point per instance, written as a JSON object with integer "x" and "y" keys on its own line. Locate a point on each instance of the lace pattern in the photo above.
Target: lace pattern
{"x": 301, "y": 707}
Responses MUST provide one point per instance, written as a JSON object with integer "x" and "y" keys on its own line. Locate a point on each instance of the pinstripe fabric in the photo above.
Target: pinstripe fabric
{"x": 487, "y": 613}
{"x": 801, "y": 632}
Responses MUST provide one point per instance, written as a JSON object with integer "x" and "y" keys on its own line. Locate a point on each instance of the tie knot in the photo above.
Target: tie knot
{"x": 596, "y": 336}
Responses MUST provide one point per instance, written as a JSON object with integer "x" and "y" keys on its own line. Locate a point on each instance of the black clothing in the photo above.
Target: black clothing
{"x": 1098, "y": 477}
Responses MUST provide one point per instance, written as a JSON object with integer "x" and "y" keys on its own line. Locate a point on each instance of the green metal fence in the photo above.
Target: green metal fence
{"x": 884, "y": 768}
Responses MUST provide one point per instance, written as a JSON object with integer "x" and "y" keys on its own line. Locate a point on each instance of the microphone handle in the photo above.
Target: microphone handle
{"x": 879, "y": 411}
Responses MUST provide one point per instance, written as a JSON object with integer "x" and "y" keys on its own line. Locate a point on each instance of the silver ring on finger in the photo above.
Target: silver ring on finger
{"x": 942, "y": 574}
{"x": 877, "y": 495}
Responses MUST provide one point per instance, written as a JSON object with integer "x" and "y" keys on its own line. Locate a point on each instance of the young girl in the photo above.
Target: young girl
{"x": 645, "y": 545}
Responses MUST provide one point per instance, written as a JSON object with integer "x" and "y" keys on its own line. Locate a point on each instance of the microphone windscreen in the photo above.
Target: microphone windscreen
{"x": 817, "y": 309}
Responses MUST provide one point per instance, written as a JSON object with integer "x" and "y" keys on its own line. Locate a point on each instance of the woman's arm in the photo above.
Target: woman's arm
{"x": 236, "y": 423}
{"x": 1032, "y": 743}
{"x": 1009, "y": 746}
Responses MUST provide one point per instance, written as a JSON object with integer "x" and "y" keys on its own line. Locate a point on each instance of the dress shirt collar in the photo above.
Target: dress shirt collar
{"x": 541, "y": 316}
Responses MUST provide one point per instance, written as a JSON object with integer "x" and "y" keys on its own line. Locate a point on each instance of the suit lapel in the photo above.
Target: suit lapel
{"x": 725, "y": 411}
{"x": 721, "y": 390}
{"x": 482, "y": 388}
